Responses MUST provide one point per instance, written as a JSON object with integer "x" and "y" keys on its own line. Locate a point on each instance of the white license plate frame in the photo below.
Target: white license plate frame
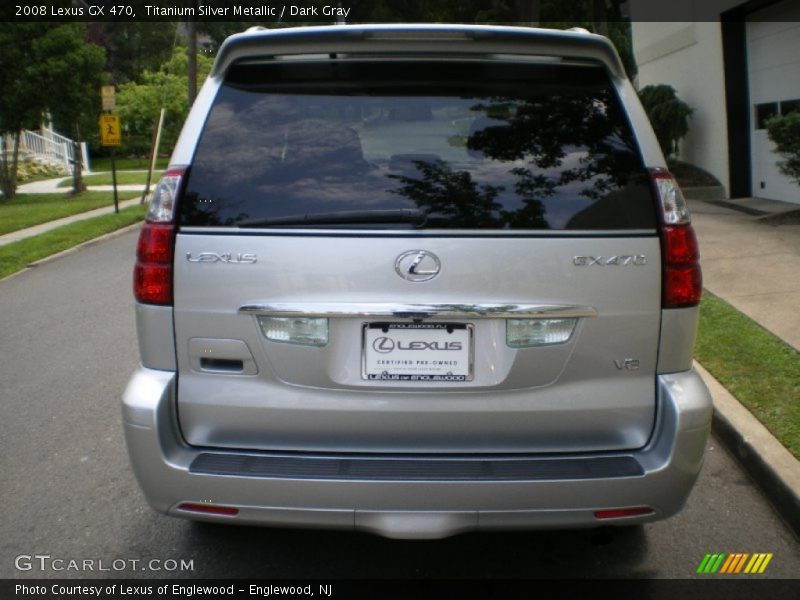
{"x": 427, "y": 365}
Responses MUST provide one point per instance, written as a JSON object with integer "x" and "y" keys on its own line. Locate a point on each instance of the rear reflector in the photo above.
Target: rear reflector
{"x": 617, "y": 513}
{"x": 211, "y": 509}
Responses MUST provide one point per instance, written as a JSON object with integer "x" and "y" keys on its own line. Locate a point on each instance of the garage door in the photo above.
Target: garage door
{"x": 773, "y": 68}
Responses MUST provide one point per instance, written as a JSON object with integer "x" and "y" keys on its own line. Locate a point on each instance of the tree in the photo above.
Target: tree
{"x": 23, "y": 97}
{"x": 139, "y": 103}
{"x": 600, "y": 16}
{"x": 132, "y": 47}
{"x": 70, "y": 70}
{"x": 784, "y": 131}
{"x": 668, "y": 114}
{"x": 218, "y": 31}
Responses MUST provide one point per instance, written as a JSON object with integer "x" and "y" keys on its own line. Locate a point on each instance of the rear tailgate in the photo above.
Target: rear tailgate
{"x": 521, "y": 183}
{"x": 559, "y": 398}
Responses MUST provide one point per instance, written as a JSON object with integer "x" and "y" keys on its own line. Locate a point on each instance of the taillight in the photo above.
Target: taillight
{"x": 682, "y": 280}
{"x": 152, "y": 281}
{"x": 155, "y": 243}
{"x": 152, "y": 275}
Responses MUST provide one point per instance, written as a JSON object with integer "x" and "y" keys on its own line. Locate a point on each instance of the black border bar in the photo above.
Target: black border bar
{"x": 295, "y": 12}
{"x": 338, "y": 589}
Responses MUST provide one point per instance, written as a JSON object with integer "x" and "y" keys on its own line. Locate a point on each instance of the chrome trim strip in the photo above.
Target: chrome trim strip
{"x": 418, "y": 311}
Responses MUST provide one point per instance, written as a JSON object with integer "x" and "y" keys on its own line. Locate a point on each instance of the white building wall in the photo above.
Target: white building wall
{"x": 688, "y": 56}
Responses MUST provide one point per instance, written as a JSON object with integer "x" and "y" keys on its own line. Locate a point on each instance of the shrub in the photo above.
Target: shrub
{"x": 668, "y": 114}
{"x": 29, "y": 169}
{"x": 784, "y": 131}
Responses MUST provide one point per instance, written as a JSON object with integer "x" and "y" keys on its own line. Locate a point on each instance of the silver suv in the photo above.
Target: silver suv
{"x": 417, "y": 280}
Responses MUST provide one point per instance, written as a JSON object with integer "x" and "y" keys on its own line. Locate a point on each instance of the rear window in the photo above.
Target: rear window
{"x": 414, "y": 145}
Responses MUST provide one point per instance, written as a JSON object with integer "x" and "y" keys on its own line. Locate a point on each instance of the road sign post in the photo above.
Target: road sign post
{"x": 111, "y": 136}
{"x": 114, "y": 178}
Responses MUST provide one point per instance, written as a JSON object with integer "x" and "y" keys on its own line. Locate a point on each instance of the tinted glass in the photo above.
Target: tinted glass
{"x": 788, "y": 106}
{"x": 418, "y": 145}
{"x": 764, "y": 112}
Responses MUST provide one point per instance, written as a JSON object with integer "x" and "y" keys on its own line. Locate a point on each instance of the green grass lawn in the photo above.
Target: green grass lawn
{"x": 27, "y": 210}
{"x": 16, "y": 256}
{"x": 21, "y": 180}
{"x": 104, "y": 164}
{"x": 123, "y": 178}
{"x": 759, "y": 369}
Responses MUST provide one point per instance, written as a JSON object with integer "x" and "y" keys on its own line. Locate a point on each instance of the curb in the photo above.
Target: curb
{"x": 102, "y": 238}
{"x": 773, "y": 468}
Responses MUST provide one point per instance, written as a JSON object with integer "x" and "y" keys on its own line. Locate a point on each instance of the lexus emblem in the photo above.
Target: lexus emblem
{"x": 383, "y": 345}
{"x": 417, "y": 265}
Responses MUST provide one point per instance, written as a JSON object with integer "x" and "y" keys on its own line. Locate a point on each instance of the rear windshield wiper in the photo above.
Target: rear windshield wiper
{"x": 399, "y": 215}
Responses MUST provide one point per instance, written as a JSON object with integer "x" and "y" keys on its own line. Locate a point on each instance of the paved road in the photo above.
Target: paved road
{"x": 68, "y": 346}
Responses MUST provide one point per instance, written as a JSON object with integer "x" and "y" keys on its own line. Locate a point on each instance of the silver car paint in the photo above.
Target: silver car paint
{"x": 154, "y": 330}
{"x": 298, "y": 392}
{"x": 678, "y": 331}
{"x": 671, "y": 460}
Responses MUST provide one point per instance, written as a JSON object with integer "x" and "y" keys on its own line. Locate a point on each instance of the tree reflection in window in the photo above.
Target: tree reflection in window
{"x": 562, "y": 141}
{"x": 451, "y": 197}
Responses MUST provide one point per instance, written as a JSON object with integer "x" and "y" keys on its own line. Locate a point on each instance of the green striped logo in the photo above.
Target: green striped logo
{"x": 734, "y": 563}
{"x": 711, "y": 563}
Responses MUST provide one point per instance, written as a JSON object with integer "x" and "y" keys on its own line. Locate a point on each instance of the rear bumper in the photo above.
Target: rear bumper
{"x": 417, "y": 497}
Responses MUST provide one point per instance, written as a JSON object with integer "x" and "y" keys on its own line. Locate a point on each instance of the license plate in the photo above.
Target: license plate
{"x": 417, "y": 352}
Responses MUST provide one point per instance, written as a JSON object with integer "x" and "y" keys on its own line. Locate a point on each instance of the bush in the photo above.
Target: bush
{"x": 668, "y": 114}
{"x": 784, "y": 131}
{"x": 139, "y": 103}
{"x": 30, "y": 170}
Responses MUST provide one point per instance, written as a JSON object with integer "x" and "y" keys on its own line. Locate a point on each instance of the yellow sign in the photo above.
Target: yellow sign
{"x": 110, "y": 134}
{"x": 107, "y": 95}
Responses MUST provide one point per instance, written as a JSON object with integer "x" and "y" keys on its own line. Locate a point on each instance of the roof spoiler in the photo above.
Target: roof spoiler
{"x": 475, "y": 40}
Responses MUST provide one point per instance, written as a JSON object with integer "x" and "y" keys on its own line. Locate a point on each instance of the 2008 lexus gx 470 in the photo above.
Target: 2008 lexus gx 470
{"x": 417, "y": 280}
